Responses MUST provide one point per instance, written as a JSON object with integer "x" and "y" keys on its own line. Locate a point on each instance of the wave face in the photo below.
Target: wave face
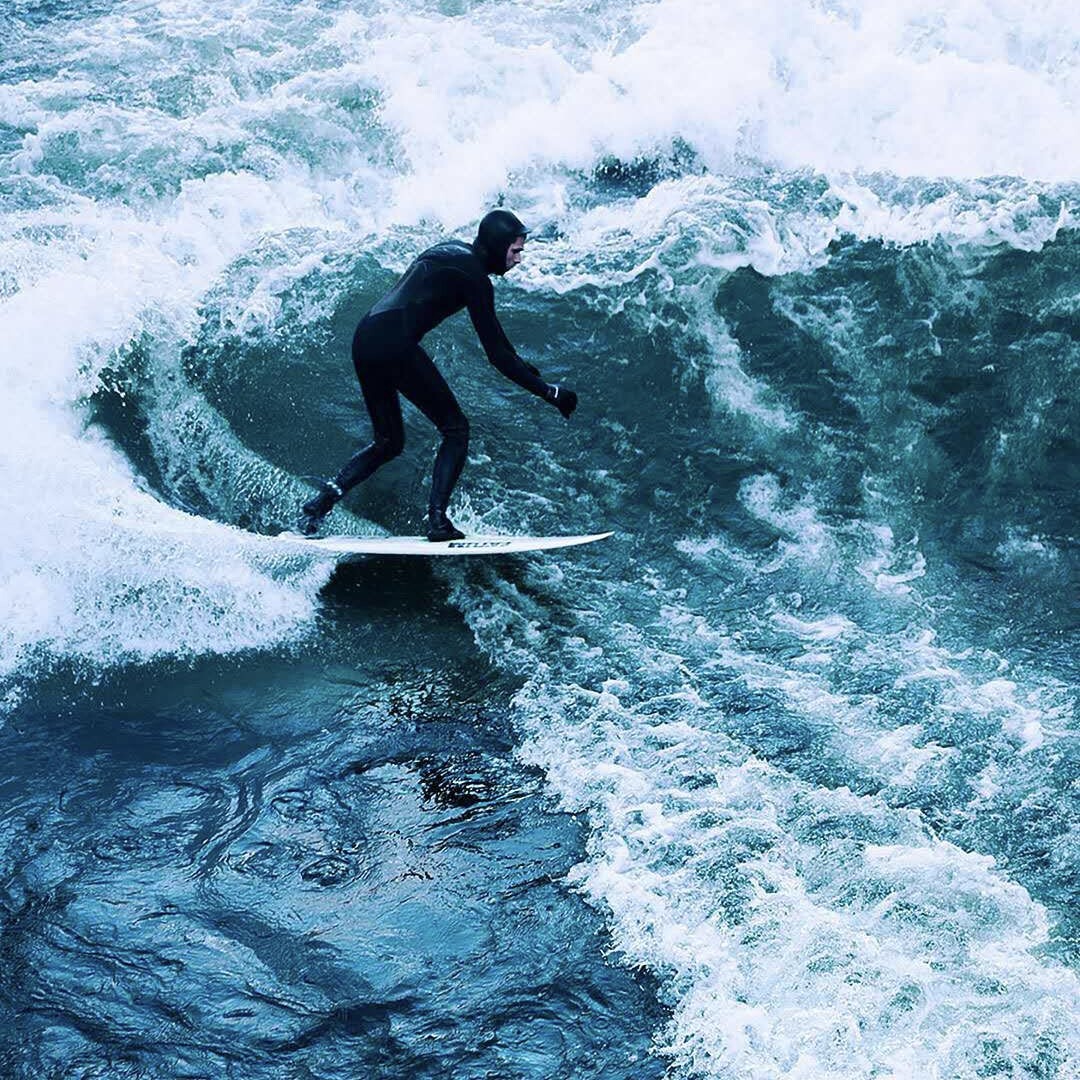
{"x": 813, "y": 273}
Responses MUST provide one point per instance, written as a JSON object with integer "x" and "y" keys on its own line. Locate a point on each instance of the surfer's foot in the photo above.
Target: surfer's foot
{"x": 317, "y": 507}
{"x": 440, "y": 528}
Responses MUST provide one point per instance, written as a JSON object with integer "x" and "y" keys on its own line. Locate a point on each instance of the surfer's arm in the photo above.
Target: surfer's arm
{"x": 499, "y": 351}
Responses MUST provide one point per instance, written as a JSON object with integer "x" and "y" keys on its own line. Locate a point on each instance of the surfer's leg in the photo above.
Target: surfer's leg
{"x": 374, "y": 369}
{"x": 419, "y": 380}
{"x": 388, "y": 431}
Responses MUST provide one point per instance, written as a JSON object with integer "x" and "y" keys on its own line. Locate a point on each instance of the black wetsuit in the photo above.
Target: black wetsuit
{"x": 389, "y": 361}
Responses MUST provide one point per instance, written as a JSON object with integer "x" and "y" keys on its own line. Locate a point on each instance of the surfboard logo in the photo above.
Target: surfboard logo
{"x": 476, "y": 543}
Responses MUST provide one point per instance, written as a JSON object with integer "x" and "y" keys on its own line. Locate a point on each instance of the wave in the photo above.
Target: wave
{"x": 811, "y": 272}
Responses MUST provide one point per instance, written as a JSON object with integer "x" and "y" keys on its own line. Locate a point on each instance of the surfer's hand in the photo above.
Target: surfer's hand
{"x": 564, "y": 400}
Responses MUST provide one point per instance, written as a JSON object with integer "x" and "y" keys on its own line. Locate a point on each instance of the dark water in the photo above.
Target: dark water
{"x": 289, "y": 867}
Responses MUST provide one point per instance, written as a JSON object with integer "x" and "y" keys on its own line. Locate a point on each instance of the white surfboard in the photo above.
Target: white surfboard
{"x": 419, "y": 545}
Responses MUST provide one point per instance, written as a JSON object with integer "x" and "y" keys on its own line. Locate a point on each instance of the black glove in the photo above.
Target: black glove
{"x": 533, "y": 368}
{"x": 564, "y": 400}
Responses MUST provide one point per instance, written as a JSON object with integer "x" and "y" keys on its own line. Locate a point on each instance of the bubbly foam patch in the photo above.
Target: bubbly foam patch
{"x": 799, "y": 929}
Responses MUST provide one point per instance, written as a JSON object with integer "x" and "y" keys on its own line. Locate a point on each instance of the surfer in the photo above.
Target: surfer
{"x": 389, "y": 362}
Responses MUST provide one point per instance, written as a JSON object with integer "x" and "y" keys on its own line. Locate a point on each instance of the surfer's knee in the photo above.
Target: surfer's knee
{"x": 389, "y": 446}
{"x": 456, "y": 430}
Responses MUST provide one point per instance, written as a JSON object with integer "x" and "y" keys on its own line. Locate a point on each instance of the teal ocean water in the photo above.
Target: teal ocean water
{"x": 782, "y": 780}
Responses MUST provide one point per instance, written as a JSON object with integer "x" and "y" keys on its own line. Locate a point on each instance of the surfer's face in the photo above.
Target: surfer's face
{"x": 513, "y": 253}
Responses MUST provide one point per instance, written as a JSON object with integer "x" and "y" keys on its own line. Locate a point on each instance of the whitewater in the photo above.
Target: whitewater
{"x": 779, "y": 781}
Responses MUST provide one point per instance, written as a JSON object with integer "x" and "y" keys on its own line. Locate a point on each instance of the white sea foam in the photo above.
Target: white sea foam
{"x": 803, "y": 932}
{"x": 804, "y": 536}
{"x": 915, "y": 89}
{"x": 880, "y": 567}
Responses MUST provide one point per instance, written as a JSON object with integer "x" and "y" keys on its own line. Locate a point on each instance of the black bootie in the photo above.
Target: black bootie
{"x": 317, "y": 507}
{"x": 440, "y": 528}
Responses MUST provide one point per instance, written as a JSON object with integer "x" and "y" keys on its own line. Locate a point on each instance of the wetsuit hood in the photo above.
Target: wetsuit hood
{"x": 498, "y": 230}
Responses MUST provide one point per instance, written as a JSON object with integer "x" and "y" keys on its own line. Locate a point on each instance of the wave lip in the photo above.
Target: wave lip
{"x": 95, "y": 570}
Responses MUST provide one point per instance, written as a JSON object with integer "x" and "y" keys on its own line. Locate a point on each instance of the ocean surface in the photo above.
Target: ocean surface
{"x": 782, "y": 780}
